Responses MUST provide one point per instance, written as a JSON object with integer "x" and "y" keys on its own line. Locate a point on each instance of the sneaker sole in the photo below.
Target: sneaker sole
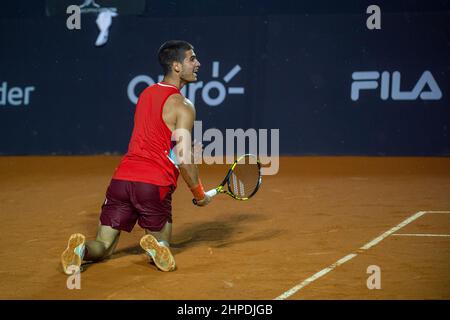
{"x": 166, "y": 262}
{"x": 69, "y": 257}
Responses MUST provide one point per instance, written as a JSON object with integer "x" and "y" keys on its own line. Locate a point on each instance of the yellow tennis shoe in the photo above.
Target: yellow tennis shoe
{"x": 160, "y": 253}
{"x": 72, "y": 257}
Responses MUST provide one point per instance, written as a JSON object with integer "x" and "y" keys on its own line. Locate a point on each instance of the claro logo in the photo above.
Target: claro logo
{"x": 390, "y": 86}
{"x": 213, "y": 93}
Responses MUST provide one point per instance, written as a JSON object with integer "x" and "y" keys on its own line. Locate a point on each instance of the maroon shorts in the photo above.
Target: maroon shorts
{"x": 128, "y": 201}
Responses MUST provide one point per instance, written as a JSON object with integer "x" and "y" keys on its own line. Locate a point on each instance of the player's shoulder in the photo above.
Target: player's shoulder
{"x": 180, "y": 101}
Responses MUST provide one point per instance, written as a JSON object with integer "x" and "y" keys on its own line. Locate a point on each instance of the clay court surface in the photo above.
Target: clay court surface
{"x": 313, "y": 213}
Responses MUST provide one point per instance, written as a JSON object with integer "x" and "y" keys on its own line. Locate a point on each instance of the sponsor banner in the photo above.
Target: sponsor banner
{"x": 327, "y": 83}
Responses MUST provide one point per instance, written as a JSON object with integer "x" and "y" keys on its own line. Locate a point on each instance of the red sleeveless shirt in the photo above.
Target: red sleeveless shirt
{"x": 149, "y": 151}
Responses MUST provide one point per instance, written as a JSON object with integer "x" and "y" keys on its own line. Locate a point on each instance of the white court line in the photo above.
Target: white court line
{"x": 421, "y": 235}
{"x": 377, "y": 240}
{"x": 424, "y": 234}
{"x": 437, "y": 211}
{"x": 367, "y": 246}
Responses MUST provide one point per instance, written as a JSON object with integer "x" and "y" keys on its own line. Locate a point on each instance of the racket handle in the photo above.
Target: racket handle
{"x": 211, "y": 193}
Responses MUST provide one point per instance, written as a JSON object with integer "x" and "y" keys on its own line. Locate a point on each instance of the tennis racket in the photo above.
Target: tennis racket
{"x": 242, "y": 180}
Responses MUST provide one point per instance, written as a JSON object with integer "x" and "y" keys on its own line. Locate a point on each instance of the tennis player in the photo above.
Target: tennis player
{"x": 142, "y": 185}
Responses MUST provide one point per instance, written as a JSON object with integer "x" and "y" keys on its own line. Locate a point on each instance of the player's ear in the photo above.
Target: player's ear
{"x": 176, "y": 66}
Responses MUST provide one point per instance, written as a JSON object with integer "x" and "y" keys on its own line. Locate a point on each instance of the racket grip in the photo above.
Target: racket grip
{"x": 211, "y": 193}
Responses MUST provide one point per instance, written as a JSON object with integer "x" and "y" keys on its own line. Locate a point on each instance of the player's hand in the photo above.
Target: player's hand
{"x": 201, "y": 203}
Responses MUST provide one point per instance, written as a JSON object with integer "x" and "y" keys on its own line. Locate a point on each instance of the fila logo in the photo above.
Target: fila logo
{"x": 369, "y": 80}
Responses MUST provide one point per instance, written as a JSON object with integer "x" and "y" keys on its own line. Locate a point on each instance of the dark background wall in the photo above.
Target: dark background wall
{"x": 295, "y": 65}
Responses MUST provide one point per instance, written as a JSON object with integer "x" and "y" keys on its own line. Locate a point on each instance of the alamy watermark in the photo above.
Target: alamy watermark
{"x": 74, "y": 280}
{"x": 209, "y": 146}
{"x": 74, "y": 20}
{"x": 374, "y": 20}
{"x": 374, "y": 280}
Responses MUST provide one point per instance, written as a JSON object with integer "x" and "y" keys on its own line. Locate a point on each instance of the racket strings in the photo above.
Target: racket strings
{"x": 244, "y": 179}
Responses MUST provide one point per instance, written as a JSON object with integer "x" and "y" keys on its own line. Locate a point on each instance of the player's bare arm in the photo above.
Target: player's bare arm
{"x": 184, "y": 112}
